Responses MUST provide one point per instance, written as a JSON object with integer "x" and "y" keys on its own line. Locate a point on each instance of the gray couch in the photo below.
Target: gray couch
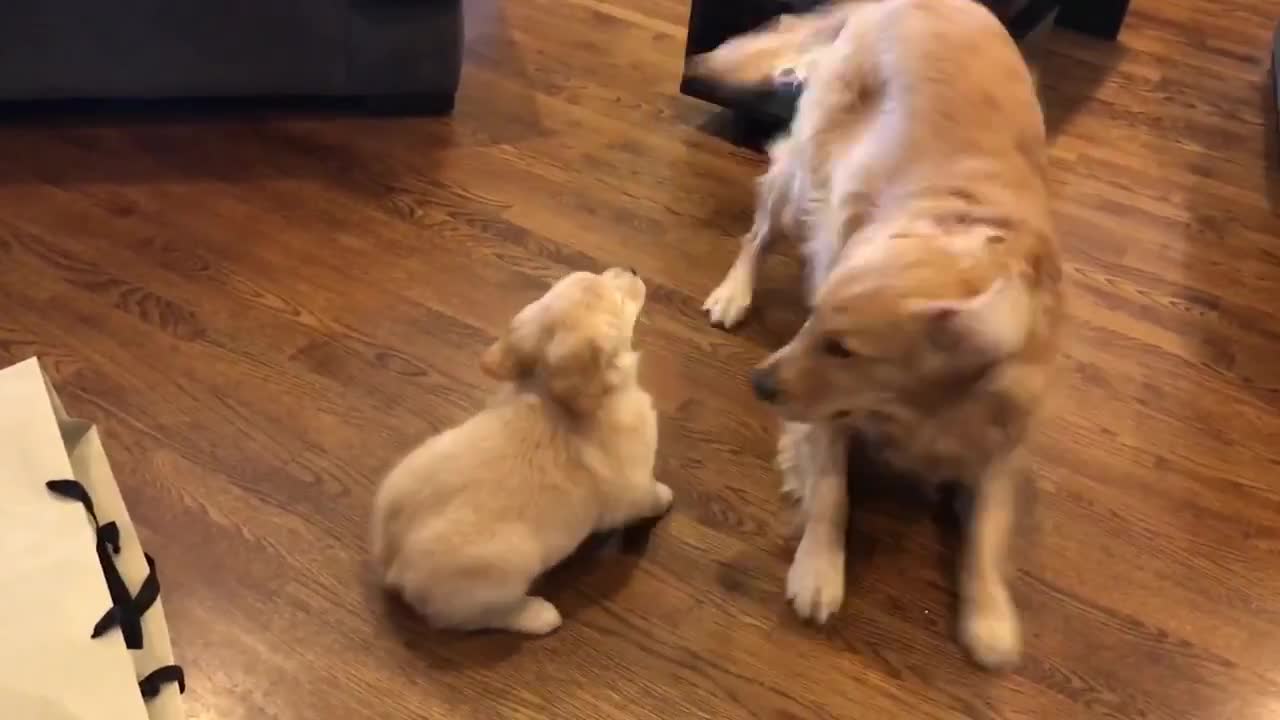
{"x": 401, "y": 53}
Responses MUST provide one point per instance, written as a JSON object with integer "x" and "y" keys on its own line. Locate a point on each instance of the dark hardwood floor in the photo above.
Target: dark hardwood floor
{"x": 263, "y": 311}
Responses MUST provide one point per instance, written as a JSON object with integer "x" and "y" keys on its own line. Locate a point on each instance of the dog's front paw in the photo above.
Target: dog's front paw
{"x": 815, "y": 583}
{"x": 991, "y": 632}
{"x": 728, "y": 303}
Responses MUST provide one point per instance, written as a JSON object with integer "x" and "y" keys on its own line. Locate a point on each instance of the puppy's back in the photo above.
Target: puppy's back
{"x": 472, "y": 492}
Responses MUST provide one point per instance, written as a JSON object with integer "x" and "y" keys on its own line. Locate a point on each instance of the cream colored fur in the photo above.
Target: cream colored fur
{"x": 914, "y": 174}
{"x": 467, "y": 521}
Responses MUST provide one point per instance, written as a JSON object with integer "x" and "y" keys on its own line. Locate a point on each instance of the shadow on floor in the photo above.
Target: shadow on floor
{"x": 1269, "y": 107}
{"x": 1069, "y": 70}
{"x": 608, "y": 558}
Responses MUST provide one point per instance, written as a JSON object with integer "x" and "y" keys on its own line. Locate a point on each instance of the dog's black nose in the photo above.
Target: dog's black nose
{"x": 765, "y": 383}
{"x": 633, "y": 271}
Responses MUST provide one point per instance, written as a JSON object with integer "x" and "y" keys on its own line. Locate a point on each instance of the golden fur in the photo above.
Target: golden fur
{"x": 466, "y": 522}
{"x": 914, "y": 171}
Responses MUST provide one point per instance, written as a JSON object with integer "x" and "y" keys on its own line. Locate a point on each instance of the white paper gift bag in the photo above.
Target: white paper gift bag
{"x": 82, "y": 630}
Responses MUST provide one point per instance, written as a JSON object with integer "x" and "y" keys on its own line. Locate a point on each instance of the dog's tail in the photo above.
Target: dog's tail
{"x": 775, "y": 54}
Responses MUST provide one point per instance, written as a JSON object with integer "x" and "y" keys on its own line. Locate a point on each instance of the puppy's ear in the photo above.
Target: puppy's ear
{"x": 986, "y": 327}
{"x": 504, "y": 360}
{"x": 579, "y": 370}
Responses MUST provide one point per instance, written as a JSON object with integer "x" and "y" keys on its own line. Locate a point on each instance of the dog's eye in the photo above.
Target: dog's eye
{"x": 835, "y": 348}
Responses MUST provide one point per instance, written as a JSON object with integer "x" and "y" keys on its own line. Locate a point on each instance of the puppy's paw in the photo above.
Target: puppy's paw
{"x": 815, "y": 582}
{"x": 665, "y": 498}
{"x": 728, "y": 303}
{"x": 991, "y": 632}
{"x": 536, "y": 617}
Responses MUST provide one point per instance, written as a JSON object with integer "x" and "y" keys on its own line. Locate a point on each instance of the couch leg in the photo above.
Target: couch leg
{"x": 410, "y": 103}
{"x": 1099, "y": 18}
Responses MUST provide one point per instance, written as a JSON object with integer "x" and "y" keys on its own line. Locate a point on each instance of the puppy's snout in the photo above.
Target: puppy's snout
{"x": 764, "y": 381}
{"x": 633, "y": 271}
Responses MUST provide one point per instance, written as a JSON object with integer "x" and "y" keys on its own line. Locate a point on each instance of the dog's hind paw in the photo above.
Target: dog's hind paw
{"x": 535, "y": 616}
{"x": 665, "y": 498}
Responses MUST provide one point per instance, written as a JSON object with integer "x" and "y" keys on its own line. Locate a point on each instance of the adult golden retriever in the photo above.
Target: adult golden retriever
{"x": 914, "y": 172}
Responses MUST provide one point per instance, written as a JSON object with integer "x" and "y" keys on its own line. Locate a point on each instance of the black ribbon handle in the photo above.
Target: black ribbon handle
{"x": 126, "y": 609}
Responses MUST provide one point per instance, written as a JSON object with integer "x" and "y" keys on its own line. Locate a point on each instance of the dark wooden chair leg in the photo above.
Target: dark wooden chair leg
{"x": 1099, "y": 18}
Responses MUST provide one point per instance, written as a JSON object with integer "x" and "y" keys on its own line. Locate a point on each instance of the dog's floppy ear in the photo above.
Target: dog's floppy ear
{"x": 499, "y": 361}
{"x": 986, "y": 327}
{"x": 508, "y": 358}
{"x": 578, "y": 369}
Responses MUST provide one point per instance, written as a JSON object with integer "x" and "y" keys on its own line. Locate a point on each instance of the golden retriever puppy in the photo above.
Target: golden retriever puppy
{"x": 467, "y": 521}
{"x": 914, "y": 173}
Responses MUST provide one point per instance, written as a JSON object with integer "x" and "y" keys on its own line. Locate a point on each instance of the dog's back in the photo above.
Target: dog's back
{"x": 478, "y": 495}
{"x": 956, "y": 202}
{"x": 921, "y": 102}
